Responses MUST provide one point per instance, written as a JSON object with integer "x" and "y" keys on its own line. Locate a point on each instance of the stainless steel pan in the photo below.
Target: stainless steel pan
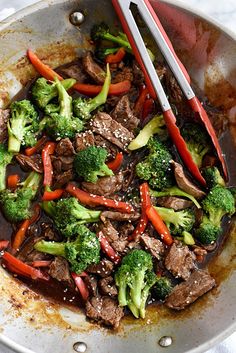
{"x": 209, "y": 53}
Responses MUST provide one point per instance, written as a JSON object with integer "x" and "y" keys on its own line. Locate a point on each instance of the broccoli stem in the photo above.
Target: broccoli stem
{"x": 145, "y": 294}
{"x": 122, "y": 298}
{"x": 48, "y": 207}
{"x": 174, "y": 191}
{"x": 105, "y": 170}
{"x": 13, "y": 142}
{"x": 65, "y": 100}
{"x": 134, "y": 310}
{"x": 121, "y": 40}
{"x": 50, "y": 247}
{"x": 32, "y": 181}
{"x": 2, "y": 178}
{"x": 102, "y": 96}
{"x": 136, "y": 289}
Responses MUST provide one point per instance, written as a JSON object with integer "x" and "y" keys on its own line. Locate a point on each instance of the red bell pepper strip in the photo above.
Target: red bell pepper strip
{"x": 42, "y": 68}
{"x": 148, "y": 108}
{"x": 42, "y": 263}
{"x": 145, "y": 203}
{"x": 159, "y": 225}
{"x": 12, "y": 181}
{"x": 83, "y": 289}
{"x": 115, "y": 89}
{"x": 138, "y": 108}
{"x": 39, "y": 145}
{"x": 47, "y": 164}
{"x": 4, "y": 244}
{"x": 117, "y": 57}
{"x": 52, "y": 195}
{"x": 108, "y": 249}
{"x": 22, "y": 268}
{"x": 116, "y": 163}
{"x": 95, "y": 200}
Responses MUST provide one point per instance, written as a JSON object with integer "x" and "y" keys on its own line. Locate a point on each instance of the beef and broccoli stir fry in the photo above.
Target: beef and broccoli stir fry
{"x": 96, "y": 194}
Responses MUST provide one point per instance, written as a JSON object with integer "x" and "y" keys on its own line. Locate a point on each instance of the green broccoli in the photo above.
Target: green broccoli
{"x": 233, "y": 192}
{"x": 23, "y": 125}
{"x": 197, "y": 140}
{"x": 162, "y": 288}
{"x": 90, "y": 163}
{"x": 101, "y": 53}
{"x": 186, "y": 238}
{"x": 82, "y": 252}
{"x": 16, "y": 205}
{"x": 134, "y": 280}
{"x": 177, "y": 221}
{"x": 5, "y": 159}
{"x": 102, "y": 32}
{"x": 155, "y": 126}
{"x": 174, "y": 191}
{"x": 43, "y": 91}
{"x": 156, "y": 167}
{"x": 207, "y": 232}
{"x": 84, "y": 107}
{"x": 68, "y": 214}
{"x": 212, "y": 177}
{"x": 61, "y": 125}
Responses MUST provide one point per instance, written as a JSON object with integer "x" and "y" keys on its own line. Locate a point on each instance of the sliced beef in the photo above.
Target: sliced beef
{"x": 84, "y": 140}
{"x": 104, "y": 310}
{"x": 93, "y": 69}
{"x": 180, "y": 260}
{"x": 48, "y": 232}
{"x": 4, "y": 117}
{"x": 161, "y": 70}
{"x": 110, "y": 129}
{"x": 103, "y": 269}
{"x": 118, "y": 216}
{"x": 27, "y": 252}
{"x": 62, "y": 163}
{"x": 184, "y": 183}
{"x": 74, "y": 70}
{"x": 187, "y": 292}
{"x": 124, "y": 115}
{"x": 59, "y": 269}
{"x": 91, "y": 283}
{"x": 112, "y": 150}
{"x": 138, "y": 76}
{"x": 107, "y": 286}
{"x": 125, "y": 73}
{"x": 126, "y": 229}
{"x": 30, "y": 163}
{"x": 61, "y": 179}
{"x": 65, "y": 148}
{"x": 105, "y": 186}
{"x": 108, "y": 230}
{"x": 173, "y": 202}
{"x": 174, "y": 91}
{"x": 153, "y": 245}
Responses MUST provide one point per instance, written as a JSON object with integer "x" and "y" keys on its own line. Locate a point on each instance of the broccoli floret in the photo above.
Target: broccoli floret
{"x": 162, "y": 288}
{"x": 5, "y": 159}
{"x": 43, "y": 91}
{"x": 23, "y": 125}
{"x": 90, "y": 163}
{"x": 154, "y": 126}
{"x": 212, "y": 177}
{"x": 233, "y": 192}
{"x": 82, "y": 252}
{"x": 68, "y": 214}
{"x": 177, "y": 221}
{"x": 150, "y": 281}
{"x": 186, "y": 238}
{"x": 197, "y": 140}
{"x": 102, "y": 32}
{"x": 131, "y": 278}
{"x": 84, "y": 107}
{"x": 16, "y": 205}
{"x": 208, "y": 232}
{"x": 175, "y": 191}
{"x": 156, "y": 167}
{"x": 101, "y": 53}
{"x": 218, "y": 203}
{"x": 61, "y": 125}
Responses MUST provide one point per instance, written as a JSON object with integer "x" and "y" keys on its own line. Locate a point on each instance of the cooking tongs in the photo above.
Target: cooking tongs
{"x": 123, "y": 9}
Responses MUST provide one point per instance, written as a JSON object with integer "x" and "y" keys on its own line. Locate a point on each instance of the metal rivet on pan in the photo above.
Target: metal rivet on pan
{"x": 76, "y": 18}
{"x": 80, "y": 347}
{"x": 165, "y": 341}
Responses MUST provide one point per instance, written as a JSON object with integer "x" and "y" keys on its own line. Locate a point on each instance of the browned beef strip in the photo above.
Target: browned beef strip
{"x": 107, "y": 286}
{"x": 65, "y": 148}
{"x": 84, "y": 140}
{"x": 91, "y": 283}
{"x": 103, "y": 269}
{"x": 105, "y": 310}
{"x": 126, "y": 229}
{"x": 187, "y": 292}
{"x": 30, "y": 163}
{"x": 48, "y": 232}
{"x": 125, "y": 73}
{"x": 4, "y": 117}
{"x": 59, "y": 270}
{"x": 62, "y": 163}
{"x": 153, "y": 245}
{"x": 174, "y": 91}
{"x": 173, "y": 202}
{"x": 109, "y": 231}
{"x": 111, "y": 102}
{"x": 138, "y": 76}
{"x": 180, "y": 260}
{"x": 61, "y": 179}
{"x": 93, "y": 69}
{"x": 110, "y": 129}
{"x": 105, "y": 186}
{"x": 118, "y": 216}
{"x": 184, "y": 183}
{"x": 124, "y": 115}
{"x": 112, "y": 150}
{"x": 27, "y": 252}
{"x": 161, "y": 70}
{"x": 74, "y": 70}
